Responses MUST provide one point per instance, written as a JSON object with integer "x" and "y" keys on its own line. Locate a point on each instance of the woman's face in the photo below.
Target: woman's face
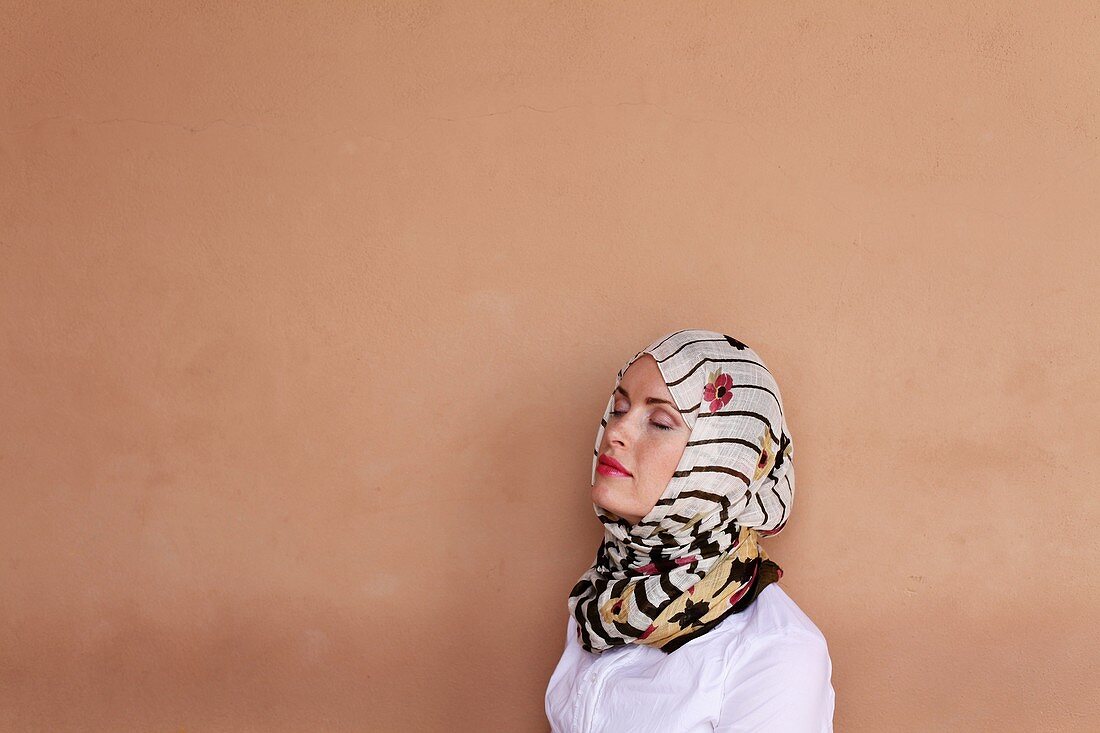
{"x": 646, "y": 434}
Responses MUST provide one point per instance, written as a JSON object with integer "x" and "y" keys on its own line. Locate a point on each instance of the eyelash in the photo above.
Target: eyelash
{"x": 656, "y": 424}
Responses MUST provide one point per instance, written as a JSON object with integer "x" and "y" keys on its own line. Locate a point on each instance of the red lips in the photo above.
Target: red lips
{"x": 609, "y": 461}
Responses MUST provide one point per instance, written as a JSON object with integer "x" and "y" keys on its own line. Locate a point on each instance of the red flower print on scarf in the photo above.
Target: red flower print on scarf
{"x": 654, "y": 568}
{"x": 718, "y": 391}
{"x": 764, "y": 465}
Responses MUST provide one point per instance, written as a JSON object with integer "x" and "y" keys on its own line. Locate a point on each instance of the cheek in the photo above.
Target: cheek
{"x": 672, "y": 460}
{"x": 664, "y": 457}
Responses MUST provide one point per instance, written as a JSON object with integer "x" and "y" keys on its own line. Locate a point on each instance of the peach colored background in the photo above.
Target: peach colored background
{"x": 309, "y": 312}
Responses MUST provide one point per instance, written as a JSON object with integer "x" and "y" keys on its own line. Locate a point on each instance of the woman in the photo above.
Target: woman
{"x": 679, "y": 625}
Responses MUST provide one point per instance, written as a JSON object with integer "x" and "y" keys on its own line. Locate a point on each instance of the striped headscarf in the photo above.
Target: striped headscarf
{"x": 696, "y": 557}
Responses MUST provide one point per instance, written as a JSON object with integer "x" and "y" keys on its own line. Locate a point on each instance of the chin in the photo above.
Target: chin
{"x": 607, "y": 500}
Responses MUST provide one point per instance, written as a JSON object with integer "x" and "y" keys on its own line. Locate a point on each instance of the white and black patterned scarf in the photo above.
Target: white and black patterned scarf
{"x": 695, "y": 558}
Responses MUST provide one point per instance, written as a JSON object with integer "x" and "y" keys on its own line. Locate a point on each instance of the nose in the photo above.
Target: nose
{"x": 616, "y": 431}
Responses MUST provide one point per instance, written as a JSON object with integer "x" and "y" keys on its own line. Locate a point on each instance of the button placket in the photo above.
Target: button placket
{"x": 597, "y": 678}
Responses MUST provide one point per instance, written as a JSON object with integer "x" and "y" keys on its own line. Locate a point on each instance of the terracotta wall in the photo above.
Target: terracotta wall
{"x": 309, "y": 311}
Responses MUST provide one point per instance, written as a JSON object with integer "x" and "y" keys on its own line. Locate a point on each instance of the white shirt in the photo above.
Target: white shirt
{"x": 766, "y": 669}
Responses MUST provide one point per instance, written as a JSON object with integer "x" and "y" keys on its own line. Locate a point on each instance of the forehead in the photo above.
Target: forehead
{"x": 643, "y": 376}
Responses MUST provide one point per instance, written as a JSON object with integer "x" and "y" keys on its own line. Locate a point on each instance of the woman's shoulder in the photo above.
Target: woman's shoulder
{"x": 772, "y": 619}
{"x": 778, "y": 658}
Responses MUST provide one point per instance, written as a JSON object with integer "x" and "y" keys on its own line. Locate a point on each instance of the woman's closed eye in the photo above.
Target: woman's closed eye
{"x": 661, "y": 426}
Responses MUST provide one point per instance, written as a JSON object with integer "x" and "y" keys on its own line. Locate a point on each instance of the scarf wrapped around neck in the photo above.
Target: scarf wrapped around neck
{"x": 696, "y": 557}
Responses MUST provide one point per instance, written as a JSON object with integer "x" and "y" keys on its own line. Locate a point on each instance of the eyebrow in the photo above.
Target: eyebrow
{"x": 650, "y": 400}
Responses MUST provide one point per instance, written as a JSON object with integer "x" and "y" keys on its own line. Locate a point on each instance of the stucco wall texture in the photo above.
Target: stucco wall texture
{"x": 309, "y": 312}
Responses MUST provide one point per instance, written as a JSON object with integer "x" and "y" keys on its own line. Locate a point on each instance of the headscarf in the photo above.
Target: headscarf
{"x": 695, "y": 558}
